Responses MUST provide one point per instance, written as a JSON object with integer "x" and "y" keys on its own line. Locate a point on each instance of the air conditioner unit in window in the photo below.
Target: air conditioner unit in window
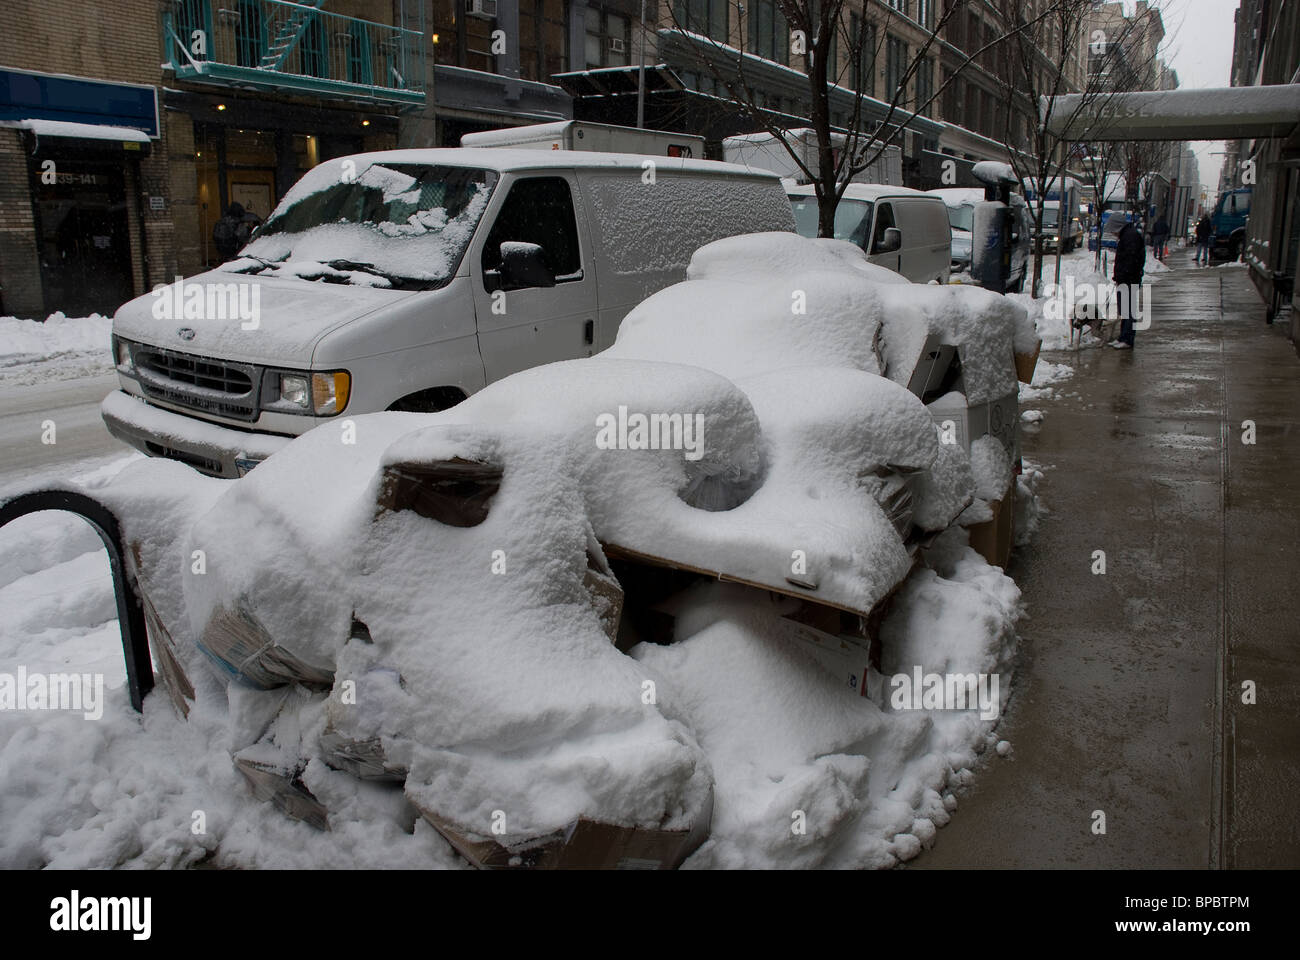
{"x": 487, "y": 9}
{"x": 616, "y": 45}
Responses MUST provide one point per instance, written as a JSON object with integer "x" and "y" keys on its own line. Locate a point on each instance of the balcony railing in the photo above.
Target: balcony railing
{"x": 277, "y": 44}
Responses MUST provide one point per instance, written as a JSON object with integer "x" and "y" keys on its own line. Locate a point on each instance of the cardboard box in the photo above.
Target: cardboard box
{"x": 1026, "y": 362}
{"x": 994, "y": 538}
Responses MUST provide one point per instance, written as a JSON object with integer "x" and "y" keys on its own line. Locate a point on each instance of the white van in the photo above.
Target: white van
{"x": 407, "y": 280}
{"x": 904, "y": 230}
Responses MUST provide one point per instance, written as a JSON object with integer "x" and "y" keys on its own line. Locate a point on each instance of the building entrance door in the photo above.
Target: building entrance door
{"x": 82, "y": 235}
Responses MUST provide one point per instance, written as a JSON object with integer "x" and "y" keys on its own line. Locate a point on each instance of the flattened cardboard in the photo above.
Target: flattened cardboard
{"x": 235, "y": 640}
{"x": 457, "y": 492}
{"x": 285, "y": 790}
{"x": 582, "y": 845}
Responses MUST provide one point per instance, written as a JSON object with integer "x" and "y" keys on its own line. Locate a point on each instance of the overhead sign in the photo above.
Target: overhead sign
{"x": 26, "y": 94}
{"x": 1224, "y": 113}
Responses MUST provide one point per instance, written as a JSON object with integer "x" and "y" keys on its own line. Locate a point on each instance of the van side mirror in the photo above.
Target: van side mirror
{"x": 524, "y": 265}
{"x": 890, "y": 241}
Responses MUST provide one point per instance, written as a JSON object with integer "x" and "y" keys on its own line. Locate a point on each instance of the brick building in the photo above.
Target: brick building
{"x": 124, "y": 137}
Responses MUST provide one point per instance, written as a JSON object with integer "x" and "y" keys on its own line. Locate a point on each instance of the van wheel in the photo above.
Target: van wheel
{"x": 429, "y": 401}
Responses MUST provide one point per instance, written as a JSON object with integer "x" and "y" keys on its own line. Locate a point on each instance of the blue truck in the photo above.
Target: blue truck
{"x": 1229, "y": 220}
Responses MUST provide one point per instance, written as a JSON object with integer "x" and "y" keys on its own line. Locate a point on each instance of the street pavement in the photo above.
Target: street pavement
{"x": 80, "y": 435}
{"x": 1128, "y": 697}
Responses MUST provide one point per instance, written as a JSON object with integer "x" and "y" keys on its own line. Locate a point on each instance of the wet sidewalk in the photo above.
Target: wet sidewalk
{"x": 1128, "y": 696}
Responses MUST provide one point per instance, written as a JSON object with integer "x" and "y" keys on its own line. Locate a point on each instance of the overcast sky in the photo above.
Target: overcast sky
{"x": 1198, "y": 44}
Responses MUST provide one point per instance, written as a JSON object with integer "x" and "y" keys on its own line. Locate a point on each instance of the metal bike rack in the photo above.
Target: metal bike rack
{"x": 130, "y": 609}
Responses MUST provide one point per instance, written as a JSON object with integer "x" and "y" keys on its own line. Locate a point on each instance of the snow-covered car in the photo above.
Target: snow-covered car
{"x": 898, "y": 228}
{"x": 407, "y": 280}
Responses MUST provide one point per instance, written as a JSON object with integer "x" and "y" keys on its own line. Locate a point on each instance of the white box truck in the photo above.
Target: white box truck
{"x": 581, "y": 135}
{"x": 407, "y": 280}
{"x": 764, "y": 151}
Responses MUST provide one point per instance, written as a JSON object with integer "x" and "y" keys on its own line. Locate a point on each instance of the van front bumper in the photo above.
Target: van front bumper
{"x": 207, "y": 447}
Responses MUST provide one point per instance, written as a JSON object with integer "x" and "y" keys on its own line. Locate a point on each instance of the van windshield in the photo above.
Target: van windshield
{"x": 395, "y": 225}
{"x": 852, "y": 219}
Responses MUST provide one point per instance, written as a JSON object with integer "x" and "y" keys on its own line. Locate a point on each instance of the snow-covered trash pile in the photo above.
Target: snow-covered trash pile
{"x": 58, "y": 347}
{"x": 699, "y": 599}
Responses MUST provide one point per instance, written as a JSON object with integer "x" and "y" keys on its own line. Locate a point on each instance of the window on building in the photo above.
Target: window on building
{"x": 192, "y": 15}
{"x": 543, "y": 39}
{"x": 951, "y": 97}
{"x": 895, "y": 67}
{"x": 314, "y": 49}
{"x": 250, "y": 34}
{"x": 609, "y": 37}
{"x": 899, "y": 5}
{"x": 924, "y": 86}
{"x": 925, "y": 13}
{"x": 863, "y": 47}
{"x": 709, "y": 18}
{"x": 769, "y": 34}
{"x": 358, "y": 47}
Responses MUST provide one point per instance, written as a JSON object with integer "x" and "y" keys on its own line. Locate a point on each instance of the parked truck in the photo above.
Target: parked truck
{"x": 1229, "y": 221}
{"x": 1061, "y": 221}
{"x": 581, "y": 135}
{"x": 764, "y": 151}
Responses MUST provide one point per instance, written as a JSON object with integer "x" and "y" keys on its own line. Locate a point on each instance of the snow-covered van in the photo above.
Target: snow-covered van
{"x": 902, "y": 229}
{"x": 407, "y": 280}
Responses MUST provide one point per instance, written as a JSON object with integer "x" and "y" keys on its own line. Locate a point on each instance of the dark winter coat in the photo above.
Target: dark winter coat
{"x": 1203, "y": 229}
{"x": 1161, "y": 230}
{"x": 1130, "y": 255}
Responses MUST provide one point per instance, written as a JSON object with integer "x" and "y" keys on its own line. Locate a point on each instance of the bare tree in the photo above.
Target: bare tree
{"x": 1037, "y": 65}
{"x": 819, "y": 30}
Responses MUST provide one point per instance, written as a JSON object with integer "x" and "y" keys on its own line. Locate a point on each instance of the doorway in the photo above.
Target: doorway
{"x": 82, "y": 237}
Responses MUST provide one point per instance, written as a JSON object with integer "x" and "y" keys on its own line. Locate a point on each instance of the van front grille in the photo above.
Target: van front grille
{"x": 217, "y": 387}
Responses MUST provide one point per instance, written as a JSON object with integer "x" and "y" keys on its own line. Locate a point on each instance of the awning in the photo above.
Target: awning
{"x": 1224, "y": 113}
{"x": 81, "y": 131}
{"x": 613, "y": 81}
{"x": 97, "y": 139}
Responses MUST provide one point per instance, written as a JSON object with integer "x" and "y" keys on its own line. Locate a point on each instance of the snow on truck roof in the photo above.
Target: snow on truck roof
{"x": 865, "y": 191}
{"x": 505, "y": 160}
{"x": 958, "y": 196}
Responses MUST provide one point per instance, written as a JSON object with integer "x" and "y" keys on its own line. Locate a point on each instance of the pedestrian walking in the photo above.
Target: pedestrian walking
{"x": 1204, "y": 231}
{"x": 1130, "y": 263}
{"x": 232, "y": 231}
{"x": 1160, "y": 238}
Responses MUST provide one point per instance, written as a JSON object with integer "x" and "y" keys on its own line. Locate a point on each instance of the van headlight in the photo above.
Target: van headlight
{"x": 122, "y": 355}
{"x": 318, "y": 394}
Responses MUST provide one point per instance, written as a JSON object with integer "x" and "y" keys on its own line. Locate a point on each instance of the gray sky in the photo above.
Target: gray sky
{"x": 1198, "y": 44}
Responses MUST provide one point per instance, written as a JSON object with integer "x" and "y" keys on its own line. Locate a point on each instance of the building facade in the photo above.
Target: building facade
{"x": 1266, "y": 51}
